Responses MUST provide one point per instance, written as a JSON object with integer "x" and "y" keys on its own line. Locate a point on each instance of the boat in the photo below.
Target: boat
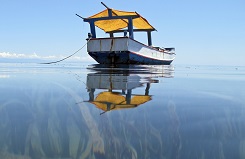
{"x": 124, "y": 49}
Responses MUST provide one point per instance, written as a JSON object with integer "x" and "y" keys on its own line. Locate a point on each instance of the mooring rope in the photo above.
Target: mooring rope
{"x": 69, "y": 55}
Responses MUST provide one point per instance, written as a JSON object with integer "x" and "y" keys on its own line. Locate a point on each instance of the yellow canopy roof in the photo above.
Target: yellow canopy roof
{"x": 116, "y": 24}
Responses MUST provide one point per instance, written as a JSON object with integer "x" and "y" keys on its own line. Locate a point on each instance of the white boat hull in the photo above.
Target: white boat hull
{"x": 124, "y": 50}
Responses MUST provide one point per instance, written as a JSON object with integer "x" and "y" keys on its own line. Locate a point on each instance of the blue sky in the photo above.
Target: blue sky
{"x": 205, "y": 32}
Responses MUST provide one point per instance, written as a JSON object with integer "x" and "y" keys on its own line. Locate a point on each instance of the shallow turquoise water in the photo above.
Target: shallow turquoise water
{"x": 93, "y": 111}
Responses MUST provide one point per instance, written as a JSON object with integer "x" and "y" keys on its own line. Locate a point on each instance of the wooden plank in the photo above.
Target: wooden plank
{"x": 111, "y": 18}
{"x": 134, "y": 30}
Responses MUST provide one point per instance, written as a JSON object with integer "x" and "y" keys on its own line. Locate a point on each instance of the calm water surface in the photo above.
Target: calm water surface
{"x": 95, "y": 111}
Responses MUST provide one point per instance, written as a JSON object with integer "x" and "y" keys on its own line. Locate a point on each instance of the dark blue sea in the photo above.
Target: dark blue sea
{"x": 91, "y": 111}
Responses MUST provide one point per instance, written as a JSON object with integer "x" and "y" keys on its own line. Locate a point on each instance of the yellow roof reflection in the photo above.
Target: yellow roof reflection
{"x": 107, "y": 101}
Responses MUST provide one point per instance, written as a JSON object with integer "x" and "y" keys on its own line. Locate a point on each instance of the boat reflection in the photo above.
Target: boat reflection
{"x": 116, "y": 85}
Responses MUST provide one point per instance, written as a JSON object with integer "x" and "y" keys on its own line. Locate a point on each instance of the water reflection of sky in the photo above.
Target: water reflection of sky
{"x": 50, "y": 111}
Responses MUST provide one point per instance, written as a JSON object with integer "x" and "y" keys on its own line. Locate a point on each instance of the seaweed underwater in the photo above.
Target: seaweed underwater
{"x": 43, "y": 118}
{"x": 46, "y": 119}
{"x": 41, "y": 123}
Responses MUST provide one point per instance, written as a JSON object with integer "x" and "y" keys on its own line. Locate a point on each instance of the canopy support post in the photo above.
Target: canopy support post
{"x": 149, "y": 38}
{"x": 109, "y": 9}
{"x": 128, "y": 96}
{"x": 130, "y": 28}
{"x": 147, "y": 89}
{"x": 111, "y": 35}
{"x": 109, "y": 12}
{"x": 92, "y": 28}
{"x": 109, "y": 15}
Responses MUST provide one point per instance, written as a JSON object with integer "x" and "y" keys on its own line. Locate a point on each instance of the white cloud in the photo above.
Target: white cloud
{"x": 4, "y": 76}
{"x": 16, "y": 56}
{"x": 11, "y": 55}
